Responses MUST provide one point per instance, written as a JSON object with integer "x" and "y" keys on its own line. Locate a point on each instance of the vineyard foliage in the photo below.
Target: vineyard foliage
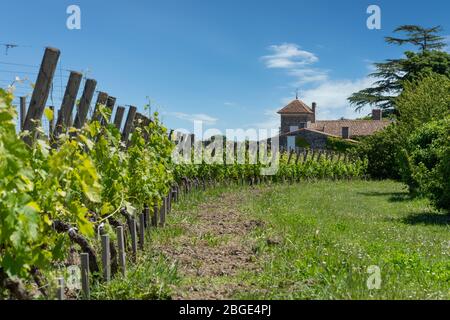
{"x": 85, "y": 177}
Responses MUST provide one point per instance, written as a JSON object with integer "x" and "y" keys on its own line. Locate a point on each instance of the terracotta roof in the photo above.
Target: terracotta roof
{"x": 294, "y": 107}
{"x": 357, "y": 127}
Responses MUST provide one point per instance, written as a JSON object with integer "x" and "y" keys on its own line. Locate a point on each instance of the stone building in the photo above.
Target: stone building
{"x": 299, "y": 127}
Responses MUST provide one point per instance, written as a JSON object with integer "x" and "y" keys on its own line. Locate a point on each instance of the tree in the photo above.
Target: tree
{"x": 422, "y": 101}
{"x": 426, "y": 39}
{"x": 391, "y": 74}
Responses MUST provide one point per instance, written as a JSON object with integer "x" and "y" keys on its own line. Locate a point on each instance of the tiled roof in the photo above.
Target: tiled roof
{"x": 357, "y": 127}
{"x": 295, "y": 107}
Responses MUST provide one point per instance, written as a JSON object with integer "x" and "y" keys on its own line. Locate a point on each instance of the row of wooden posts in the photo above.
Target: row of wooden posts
{"x": 137, "y": 232}
{"x": 31, "y": 116}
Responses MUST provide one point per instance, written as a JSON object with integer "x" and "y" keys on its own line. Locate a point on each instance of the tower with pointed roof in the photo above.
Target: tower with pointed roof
{"x": 296, "y": 115}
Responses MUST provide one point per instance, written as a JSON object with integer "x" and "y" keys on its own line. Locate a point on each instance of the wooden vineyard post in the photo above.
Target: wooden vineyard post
{"x": 169, "y": 201}
{"x": 121, "y": 245}
{"x": 60, "y": 289}
{"x": 85, "y": 103}
{"x": 23, "y": 111}
{"x": 133, "y": 232}
{"x": 40, "y": 92}
{"x": 147, "y": 216}
{"x": 68, "y": 103}
{"x": 155, "y": 216}
{"x": 101, "y": 100}
{"x": 141, "y": 231}
{"x": 106, "y": 258}
{"x": 84, "y": 257}
{"x": 119, "y": 117}
{"x": 305, "y": 156}
{"x": 128, "y": 124}
{"x": 298, "y": 157}
{"x": 51, "y": 123}
{"x": 175, "y": 192}
{"x": 110, "y": 102}
{"x": 290, "y": 155}
{"x": 162, "y": 213}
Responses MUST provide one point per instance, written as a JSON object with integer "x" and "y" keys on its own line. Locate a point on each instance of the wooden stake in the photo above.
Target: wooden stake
{"x": 128, "y": 124}
{"x": 85, "y": 103}
{"x": 106, "y": 258}
{"x": 121, "y": 245}
{"x": 141, "y": 231}
{"x": 85, "y": 275}
{"x": 23, "y": 111}
{"x": 101, "y": 100}
{"x": 41, "y": 92}
{"x": 162, "y": 213}
{"x": 155, "y": 216}
{"x": 68, "y": 103}
{"x": 110, "y": 102}
{"x": 133, "y": 238}
{"x": 119, "y": 116}
{"x": 60, "y": 290}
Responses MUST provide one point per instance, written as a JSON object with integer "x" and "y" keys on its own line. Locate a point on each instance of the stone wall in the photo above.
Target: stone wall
{"x": 314, "y": 139}
{"x": 294, "y": 120}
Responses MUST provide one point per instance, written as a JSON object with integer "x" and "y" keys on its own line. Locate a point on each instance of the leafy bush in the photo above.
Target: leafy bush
{"x": 427, "y": 169}
{"x": 340, "y": 145}
{"x": 382, "y": 152}
{"x": 423, "y": 100}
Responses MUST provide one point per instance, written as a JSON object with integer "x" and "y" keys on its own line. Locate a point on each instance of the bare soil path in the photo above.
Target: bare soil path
{"x": 214, "y": 249}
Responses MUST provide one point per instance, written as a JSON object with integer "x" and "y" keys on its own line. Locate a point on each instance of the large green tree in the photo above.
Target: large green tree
{"x": 391, "y": 75}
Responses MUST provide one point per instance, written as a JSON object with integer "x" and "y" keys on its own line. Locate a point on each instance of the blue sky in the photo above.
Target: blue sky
{"x": 230, "y": 63}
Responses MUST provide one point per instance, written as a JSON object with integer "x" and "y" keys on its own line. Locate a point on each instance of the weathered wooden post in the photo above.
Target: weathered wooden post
{"x": 85, "y": 103}
{"x": 110, "y": 102}
{"x": 70, "y": 95}
{"x": 155, "y": 216}
{"x": 106, "y": 258}
{"x": 51, "y": 123}
{"x": 23, "y": 111}
{"x": 40, "y": 92}
{"x": 120, "y": 111}
{"x": 162, "y": 213}
{"x": 121, "y": 246}
{"x": 84, "y": 257}
{"x": 60, "y": 289}
{"x": 102, "y": 97}
{"x": 141, "y": 231}
{"x": 133, "y": 232}
{"x": 128, "y": 124}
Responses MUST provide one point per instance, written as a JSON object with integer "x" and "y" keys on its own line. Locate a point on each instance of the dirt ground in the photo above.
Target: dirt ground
{"x": 214, "y": 250}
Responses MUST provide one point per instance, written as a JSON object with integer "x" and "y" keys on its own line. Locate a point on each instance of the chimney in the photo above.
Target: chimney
{"x": 345, "y": 133}
{"x": 314, "y": 106}
{"x": 377, "y": 114}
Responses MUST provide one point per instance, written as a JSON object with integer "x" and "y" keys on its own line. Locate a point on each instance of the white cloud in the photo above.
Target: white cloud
{"x": 229, "y": 104}
{"x": 331, "y": 97}
{"x": 297, "y": 62}
{"x": 206, "y": 119}
{"x": 288, "y": 56}
{"x": 303, "y": 76}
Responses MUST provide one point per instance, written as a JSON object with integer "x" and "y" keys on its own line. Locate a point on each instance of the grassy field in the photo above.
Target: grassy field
{"x": 301, "y": 241}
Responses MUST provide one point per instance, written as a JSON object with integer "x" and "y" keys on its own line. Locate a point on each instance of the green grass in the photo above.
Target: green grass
{"x": 333, "y": 231}
{"x": 324, "y": 236}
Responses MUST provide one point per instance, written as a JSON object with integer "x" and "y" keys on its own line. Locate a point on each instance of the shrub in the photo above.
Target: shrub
{"x": 427, "y": 169}
{"x": 382, "y": 152}
{"x": 423, "y": 100}
{"x": 340, "y": 145}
